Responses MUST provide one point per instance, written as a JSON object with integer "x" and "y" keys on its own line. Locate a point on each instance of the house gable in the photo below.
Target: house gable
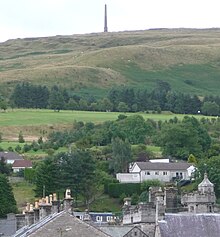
{"x": 134, "y": 168}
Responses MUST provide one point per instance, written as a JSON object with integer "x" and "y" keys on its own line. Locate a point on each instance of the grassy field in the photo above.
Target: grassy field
{"x": 23, "y": 192}
{"x": 93, "y": 63}
{"x": 36, "y": 123}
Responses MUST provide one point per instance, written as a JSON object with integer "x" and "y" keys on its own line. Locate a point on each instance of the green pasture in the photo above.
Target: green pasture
{"x": 25, "y": 117}
{"x": 6, "y": 144}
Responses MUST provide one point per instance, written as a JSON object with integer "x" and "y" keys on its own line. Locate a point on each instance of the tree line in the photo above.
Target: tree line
{"x": 122, "y": 99}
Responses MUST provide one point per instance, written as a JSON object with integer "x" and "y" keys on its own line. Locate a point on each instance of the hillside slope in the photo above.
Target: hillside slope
{"x": 188, "y": 59}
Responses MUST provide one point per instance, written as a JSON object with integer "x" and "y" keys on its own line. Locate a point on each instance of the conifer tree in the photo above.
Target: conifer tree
{"x": 7, "y": 200}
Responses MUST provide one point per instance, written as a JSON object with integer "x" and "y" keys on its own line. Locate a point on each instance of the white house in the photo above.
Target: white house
{"x": 165, "y": 172}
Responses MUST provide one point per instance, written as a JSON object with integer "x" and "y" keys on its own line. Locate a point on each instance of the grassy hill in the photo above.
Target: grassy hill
{"x": 188, "y": 59}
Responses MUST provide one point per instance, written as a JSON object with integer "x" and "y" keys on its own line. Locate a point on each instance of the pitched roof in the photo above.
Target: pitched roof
{"x": 9, "y": 155}
{"x": 185, "y": 225}
{"x": 205, "y": 182}
{"x": 22, "y": 164}
{"x": 63, "y": 224}
{"x": 163, "y": 166}
{"x": 116, "y": 231}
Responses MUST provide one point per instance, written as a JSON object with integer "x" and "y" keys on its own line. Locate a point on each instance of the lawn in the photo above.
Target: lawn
{"x": 31, "y": 117}
{"x": 36, "y": 123}
{"x": 6, "y": 144}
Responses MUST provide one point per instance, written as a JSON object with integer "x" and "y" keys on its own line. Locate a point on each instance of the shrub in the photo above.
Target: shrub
{"x": 122, "y": 197}
{"x": 150, "y": 183}
{"x": 20, "y": 138}
{"x": 134, "y": 199}
{"x": 117, "y": 189}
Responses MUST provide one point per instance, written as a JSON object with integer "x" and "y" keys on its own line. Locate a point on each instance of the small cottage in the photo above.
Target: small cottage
{"x": 19, "y": 165}
{"x": 165, "y": 172}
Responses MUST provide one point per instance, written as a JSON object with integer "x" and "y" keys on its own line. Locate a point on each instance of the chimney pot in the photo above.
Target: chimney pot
{"x": 54, "y": 197}
{"x": 47, "y": 199}
{"x": 31, "y": 207}
{"x": 28, "y": 206}
{"x": 51, "y": 198}
{"x": 36, "y": 205}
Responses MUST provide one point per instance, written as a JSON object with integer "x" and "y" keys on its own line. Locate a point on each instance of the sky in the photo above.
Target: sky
{"x": 38, "y": 18}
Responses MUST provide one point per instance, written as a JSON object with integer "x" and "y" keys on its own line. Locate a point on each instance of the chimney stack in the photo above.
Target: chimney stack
{"x": 68, "y": 200}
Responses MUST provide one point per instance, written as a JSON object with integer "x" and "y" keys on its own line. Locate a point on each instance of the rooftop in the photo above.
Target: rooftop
{"x": 22, "y": 164}
{"x": 163, "y": 166}
{"x": 9, "y": 155}
{"x": 206, "y": 182}
{"x": 185, "y": 225}
{"x": 62, "y": 224}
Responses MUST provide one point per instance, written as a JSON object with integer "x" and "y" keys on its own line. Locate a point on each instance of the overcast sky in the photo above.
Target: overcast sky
{"x": 33, "y": 18}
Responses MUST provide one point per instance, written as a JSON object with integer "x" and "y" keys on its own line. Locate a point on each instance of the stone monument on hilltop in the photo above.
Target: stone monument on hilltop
{"x": 105, "y": 20}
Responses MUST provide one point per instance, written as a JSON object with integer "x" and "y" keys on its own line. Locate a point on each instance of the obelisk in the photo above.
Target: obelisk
{"x": 105, "y": 23}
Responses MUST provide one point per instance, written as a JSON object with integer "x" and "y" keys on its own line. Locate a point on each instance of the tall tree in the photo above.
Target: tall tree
{"x": 182, "y": 139}
{"x": 4, "y": 168}
{"x": 210, "y": 108}
{"x": 121, "y": 155}
{"x": 7, "y": 200}
{"x": 47, "y": 177}
{"x": 56, "y": 100}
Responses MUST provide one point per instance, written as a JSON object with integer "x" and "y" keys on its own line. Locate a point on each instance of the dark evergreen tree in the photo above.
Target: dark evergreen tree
{"x": 7, "y": 200}
{"x": 56, "y": 100}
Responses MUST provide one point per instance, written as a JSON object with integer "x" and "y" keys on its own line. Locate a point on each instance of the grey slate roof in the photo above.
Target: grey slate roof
{"x": 163, "y": 166}
{"x": 64, "y": 224}
{"x": 116, "y": 231}
{"x": 8, "y": 226}
{"x": 185, "y": 225}
{"x": 9, "y": 155}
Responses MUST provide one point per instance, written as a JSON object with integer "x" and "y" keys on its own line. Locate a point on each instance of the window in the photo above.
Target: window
{"x": 165, "y": 173}
{"x": 99, "y": 218}
{"x": 156, "y": 172}
{"x": 147, "y": 172}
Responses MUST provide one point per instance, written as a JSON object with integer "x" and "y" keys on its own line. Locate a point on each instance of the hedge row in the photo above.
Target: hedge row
{"x": 115, "y": 190}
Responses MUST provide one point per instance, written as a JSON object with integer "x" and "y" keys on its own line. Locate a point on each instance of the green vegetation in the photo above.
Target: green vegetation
{"x": 188, "y": 59}
{"x": 23, "y": 192}
{"x": 106, "y": 204}
{"x": 7, "y": 200}
{"x": 117, "y": 189}
{"x": 162, "y": 71}
{"x": 36, "y": 123}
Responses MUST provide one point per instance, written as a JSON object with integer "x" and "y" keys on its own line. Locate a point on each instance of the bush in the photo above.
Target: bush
{"x": 21, "y": 138}
{"x": 117, "y": 189}
{"x": 134, "y": 199}
{"x": 144, "y": 197}
{"x": 18, "y": 148}
{"x": 122, "y": 197}
{"x": 29, "y": 174}
{"x": 26, "y": 148}
{"x": 150, "y": 183}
